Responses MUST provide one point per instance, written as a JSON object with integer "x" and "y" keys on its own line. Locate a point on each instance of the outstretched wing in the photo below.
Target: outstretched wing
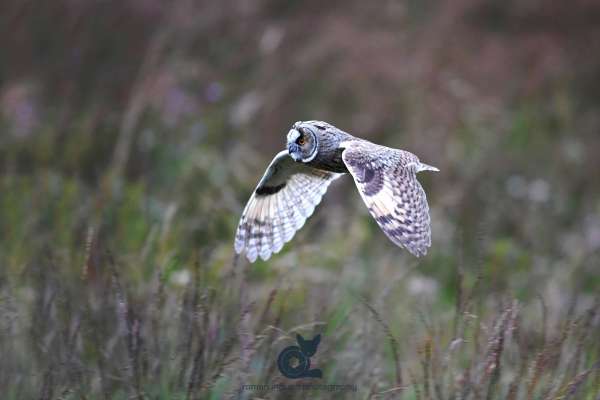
{"x": 285, "y": 197}
{"x": 387, "y": 182}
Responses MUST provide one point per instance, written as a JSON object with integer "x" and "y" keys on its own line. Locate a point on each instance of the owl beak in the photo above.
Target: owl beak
{"x": 293, "y": 151}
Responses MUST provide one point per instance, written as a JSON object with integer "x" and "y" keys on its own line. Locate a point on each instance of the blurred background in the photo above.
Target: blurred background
{"x": 132, "y": 132}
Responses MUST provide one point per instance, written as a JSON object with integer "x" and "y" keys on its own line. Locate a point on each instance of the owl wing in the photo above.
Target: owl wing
{"x": 285, "y": 197}
{"x": 387, "y": 182}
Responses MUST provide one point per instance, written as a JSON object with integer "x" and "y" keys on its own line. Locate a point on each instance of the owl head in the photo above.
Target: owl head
{"x": 303, "y": 141}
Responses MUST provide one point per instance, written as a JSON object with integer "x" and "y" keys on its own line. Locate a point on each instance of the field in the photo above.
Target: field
{"x": 128, "y": 151}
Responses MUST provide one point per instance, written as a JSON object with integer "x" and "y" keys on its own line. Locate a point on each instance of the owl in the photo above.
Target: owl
{"x": 317, "y": 154}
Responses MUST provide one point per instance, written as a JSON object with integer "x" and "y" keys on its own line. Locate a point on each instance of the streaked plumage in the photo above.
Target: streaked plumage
{"x": 298, "y": 177}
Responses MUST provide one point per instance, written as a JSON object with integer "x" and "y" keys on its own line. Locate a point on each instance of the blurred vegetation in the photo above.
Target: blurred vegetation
{"x": 132, "y": 132}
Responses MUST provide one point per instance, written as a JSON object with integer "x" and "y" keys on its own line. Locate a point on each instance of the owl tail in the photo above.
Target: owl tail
{"x": 425, "y": 167}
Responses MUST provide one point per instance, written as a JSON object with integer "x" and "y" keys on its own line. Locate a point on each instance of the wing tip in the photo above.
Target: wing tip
{"x": 420, "y": 251}
{"x": 265, "y": 254}
{"x": 252, "y": 254}
{"x": 238, "y": 246}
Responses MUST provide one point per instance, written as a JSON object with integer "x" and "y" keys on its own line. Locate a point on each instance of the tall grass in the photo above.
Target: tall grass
{"x": 127, "y": 152}
{"x": 67, "y": 335}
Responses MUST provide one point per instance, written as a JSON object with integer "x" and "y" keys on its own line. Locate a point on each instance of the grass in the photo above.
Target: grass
{"x": 106, "y": 338}
{"x": 130, "y": 289}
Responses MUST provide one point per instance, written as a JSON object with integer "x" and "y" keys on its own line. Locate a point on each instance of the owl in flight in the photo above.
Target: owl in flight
{"x": 317, "y": 154}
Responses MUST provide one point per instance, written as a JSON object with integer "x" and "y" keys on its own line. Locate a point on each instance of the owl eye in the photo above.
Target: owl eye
{"x": 301, "y": 141}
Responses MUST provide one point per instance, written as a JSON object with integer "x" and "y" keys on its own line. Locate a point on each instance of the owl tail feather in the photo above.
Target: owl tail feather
{"x": 425, "y": 167}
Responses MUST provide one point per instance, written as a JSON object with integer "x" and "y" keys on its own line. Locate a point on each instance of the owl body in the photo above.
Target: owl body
{"x": 297, "y": 178}
{"x": 331, "y": 162}
{"x": 329, "y": 152}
